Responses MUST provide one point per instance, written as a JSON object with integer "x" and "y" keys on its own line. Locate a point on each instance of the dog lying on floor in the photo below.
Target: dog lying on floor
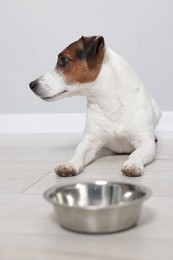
{"x": 121, "y": 115}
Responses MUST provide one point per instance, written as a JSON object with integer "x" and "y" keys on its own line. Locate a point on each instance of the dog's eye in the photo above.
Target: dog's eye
{"x": 63, "y": 60}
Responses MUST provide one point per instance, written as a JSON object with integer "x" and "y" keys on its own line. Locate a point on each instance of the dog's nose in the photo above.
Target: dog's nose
{"x": 33, "y": 84}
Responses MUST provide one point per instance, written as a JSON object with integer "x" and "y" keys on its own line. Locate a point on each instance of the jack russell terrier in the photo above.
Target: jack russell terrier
{"x": 121, "y": 115}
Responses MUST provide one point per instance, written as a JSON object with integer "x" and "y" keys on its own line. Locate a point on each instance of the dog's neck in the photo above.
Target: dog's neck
{"x": 103, "y": 93}
{"x": 114, "y": 85}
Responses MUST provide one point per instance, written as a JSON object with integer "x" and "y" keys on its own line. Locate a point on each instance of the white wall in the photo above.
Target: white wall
{"x": 33, "y": 32}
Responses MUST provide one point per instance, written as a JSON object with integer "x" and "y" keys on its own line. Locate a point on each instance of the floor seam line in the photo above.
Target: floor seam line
{"x": 34, "y": 183}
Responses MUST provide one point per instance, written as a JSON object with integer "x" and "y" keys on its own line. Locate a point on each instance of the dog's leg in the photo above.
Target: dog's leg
{"x": 144, "y": 154}
{"x": 84, "y": 154}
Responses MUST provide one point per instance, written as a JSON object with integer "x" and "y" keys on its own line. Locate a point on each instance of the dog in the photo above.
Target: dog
{"x": 121, "y": 115}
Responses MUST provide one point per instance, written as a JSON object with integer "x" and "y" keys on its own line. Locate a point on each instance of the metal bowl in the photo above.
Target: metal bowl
{"x": 97, "y": 207}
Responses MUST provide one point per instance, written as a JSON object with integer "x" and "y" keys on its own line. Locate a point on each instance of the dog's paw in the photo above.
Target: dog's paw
{"x": 68, "y": 169}
{"x": 132, "y": 169}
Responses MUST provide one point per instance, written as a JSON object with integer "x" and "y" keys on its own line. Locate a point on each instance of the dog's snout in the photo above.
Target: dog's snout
{"x": 33, "y": 84}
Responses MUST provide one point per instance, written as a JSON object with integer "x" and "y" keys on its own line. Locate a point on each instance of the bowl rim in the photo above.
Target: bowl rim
{"x": 146, "y": 190}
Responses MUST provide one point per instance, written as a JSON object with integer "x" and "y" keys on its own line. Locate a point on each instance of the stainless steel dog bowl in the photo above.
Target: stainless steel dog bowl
{"x": 97, "y": 207}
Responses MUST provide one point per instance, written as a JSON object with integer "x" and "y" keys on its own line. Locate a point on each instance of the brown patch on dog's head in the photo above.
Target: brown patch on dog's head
{"x": 81, "y": 61}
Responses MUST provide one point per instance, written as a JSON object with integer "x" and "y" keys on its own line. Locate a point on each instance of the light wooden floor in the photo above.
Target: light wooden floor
{"x": 28, "y": 230}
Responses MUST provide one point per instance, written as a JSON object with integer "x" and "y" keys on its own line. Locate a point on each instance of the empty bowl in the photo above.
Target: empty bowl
{"x": 98, "y": 206}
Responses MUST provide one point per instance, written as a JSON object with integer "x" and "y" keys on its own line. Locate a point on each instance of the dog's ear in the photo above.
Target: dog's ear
{"x": 92, "y": 45}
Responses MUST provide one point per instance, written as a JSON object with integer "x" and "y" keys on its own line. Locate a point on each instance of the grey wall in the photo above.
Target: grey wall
{"x": 33, "y": 32}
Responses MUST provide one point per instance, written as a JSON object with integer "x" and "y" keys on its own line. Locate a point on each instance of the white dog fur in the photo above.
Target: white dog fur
{"x": 121, "y": 115}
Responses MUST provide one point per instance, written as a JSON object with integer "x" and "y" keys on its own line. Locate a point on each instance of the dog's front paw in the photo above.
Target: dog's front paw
{"x": 68, "y": 169}
{"x": 132, "y": 169}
